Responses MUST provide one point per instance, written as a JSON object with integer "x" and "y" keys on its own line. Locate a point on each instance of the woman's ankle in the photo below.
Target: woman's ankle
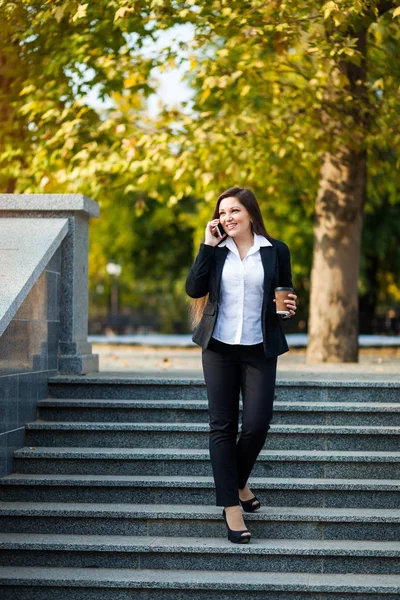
{"x": 245, "y": 491}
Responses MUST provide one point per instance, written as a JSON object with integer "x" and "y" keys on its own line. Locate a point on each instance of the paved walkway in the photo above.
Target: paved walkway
{"x": 176, "y": 363}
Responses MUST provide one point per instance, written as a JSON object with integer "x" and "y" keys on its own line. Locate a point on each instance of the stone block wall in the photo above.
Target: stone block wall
{"x": 28, "y": 357}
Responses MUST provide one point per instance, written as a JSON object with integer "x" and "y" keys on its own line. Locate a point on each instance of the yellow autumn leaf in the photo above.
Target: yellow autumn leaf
{"x": 236, "y": 74}
{"x": 226, "y": 12}
{"x": 340, "y": 79}
{"x": 123, "y": 11}
{"x": 142, "y": 179}
{"x": 210, "y": 195}
{"x": 179, "y": 173}
{"x": 81, "y": 12}
{"x": 396, "y": 12}
{"x": 245, "y": 90}
{"x": 205, "y": 95}
{"x": 59, "y": 12}
{"x": 132, "y": 80}
{"x": 172, "y": 201}
{"x": 27, "y": 90}
{"x": 378, "y": 84}
{"x": 338, "y": 18}
{"x": 207, "y": 178}
{"x": 328, "y": 8}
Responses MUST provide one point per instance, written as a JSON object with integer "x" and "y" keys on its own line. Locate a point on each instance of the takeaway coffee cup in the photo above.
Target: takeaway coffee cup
{"x": 281, "y": 294}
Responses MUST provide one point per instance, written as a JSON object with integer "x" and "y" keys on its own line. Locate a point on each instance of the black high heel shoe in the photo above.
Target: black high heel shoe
{"x": 248, "y": 505}
{"x": 236, "y": 537}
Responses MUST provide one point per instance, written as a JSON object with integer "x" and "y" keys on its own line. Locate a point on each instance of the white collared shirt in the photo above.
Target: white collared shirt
{"x": 241, "y": 295}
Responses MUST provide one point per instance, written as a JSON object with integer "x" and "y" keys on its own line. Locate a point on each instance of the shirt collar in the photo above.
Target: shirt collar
{"x": 259, "y": 241}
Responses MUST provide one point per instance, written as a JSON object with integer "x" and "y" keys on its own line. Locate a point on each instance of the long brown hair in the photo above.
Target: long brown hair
{"x": 247, "y": 198}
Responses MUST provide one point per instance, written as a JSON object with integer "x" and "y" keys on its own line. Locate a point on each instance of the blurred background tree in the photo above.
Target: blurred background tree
{"x": 276, "y": 102}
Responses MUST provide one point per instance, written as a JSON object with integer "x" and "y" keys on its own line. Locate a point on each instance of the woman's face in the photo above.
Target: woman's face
{"x": 234, "y": 217}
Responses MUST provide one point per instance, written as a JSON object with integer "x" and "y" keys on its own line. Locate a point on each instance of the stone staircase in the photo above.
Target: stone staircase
{"x": 112, "y": 497}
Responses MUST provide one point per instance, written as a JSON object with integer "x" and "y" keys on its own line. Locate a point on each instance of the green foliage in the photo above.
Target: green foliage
{"x": 271, "y": 96}
{"x": 154, "y": 250}
{"x": 51, "y": 54}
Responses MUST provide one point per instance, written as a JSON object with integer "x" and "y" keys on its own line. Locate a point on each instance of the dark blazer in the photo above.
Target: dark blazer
{"x": 205, "y": 278}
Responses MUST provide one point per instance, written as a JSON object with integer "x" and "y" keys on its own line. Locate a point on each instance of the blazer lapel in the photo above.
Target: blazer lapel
{"x": 268, "y": 259}
{"x": 220, "y": 256}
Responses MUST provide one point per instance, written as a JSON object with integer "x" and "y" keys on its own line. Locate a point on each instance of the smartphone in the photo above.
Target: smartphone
{"x": 220, "y": 230}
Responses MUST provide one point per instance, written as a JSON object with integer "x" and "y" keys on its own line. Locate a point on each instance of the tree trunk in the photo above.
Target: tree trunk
{"x": 334, "y": 320}
{"x": 333, "y": 323}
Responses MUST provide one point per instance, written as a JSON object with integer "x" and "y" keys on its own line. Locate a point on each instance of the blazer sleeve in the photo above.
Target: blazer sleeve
{"x": 285, "y": 272}
{"x": 197, "y": 282}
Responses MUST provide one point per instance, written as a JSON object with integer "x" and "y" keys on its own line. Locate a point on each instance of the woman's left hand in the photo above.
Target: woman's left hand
{"x": 292, "y": 306}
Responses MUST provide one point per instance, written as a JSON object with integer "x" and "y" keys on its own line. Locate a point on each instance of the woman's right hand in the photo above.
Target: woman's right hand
{"x": 211, "y": 232}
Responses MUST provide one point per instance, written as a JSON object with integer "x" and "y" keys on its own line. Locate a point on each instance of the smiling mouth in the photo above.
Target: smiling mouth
{"x": 231, "y": 225}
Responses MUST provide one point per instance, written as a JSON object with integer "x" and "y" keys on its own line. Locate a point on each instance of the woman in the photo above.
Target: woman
{"x": 233, "y": 280}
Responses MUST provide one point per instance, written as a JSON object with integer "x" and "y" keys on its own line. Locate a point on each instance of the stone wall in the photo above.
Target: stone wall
{"x": 28, "y": 356}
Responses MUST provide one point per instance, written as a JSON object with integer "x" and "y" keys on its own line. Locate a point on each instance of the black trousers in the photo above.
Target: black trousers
{"x": 229, "y": 369}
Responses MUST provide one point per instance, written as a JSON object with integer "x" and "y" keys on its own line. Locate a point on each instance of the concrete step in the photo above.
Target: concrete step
{"x": 41, "y": 583}
{"x": 77, "y": 525}
{"x": 270, "y": 522}
{"x": 122, "y": 552}
{"x": 331, "y": 493}
{"x": 120, "y": 387}
{"x": 195, "y": 435}
{"x": 187, "y": 411}
{"x": 186, "y": 461}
